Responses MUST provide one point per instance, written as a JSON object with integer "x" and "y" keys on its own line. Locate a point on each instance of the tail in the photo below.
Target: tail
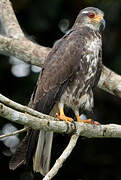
{"x": 36, "y": 148}
{"x": 42, "y": 155}
{"x": 41, "y": 160}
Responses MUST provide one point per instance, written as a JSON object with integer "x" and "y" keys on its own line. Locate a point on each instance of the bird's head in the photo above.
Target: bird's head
{"x": 91, "y": 17}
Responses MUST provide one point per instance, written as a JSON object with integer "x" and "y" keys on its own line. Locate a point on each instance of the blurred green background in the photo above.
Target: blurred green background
{"x": 45, "y": 21}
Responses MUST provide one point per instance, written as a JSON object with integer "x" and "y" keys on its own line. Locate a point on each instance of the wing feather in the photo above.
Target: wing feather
{"x": 61, "y": 65}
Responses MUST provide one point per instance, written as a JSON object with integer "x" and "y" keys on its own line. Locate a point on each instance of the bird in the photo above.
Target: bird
{"x": 69, "y": 75}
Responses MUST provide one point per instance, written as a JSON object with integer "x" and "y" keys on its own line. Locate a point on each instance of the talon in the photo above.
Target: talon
{"x": 89, "y": 121}
{"x": 63, "y": 117}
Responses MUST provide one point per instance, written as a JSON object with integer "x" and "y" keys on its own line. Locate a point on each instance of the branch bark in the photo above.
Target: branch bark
{"x": 110, "y": 82}
{"x": 9, "y": 20}
{"x": 37, "y": 120}
{"x": 23, "y": 49}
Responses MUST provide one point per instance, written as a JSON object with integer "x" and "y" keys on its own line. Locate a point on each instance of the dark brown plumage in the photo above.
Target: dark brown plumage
{"x": 70, "y": 73}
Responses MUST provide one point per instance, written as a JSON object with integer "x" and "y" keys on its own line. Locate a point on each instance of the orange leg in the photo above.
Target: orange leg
{"x": 89, "y": 121}
{"x": 62, "y": 116}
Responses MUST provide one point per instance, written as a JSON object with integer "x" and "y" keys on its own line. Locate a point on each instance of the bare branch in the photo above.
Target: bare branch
{"x": 14, "y": 133}
{"x": 59, "y": 162}
{"x": 19, "y": 107}
{"x": 23, "y": 49}
{"x": 46, "y": 122}
{"x": 49, "y": 123}
{"x": 17, "y": 45}
{"x": 110, "y": 82}
{"x": 9, "y": 20}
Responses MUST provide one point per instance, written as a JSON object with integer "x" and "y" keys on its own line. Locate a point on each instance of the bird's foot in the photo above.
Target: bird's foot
{"x": 89, "y": 121}
{"x": 63, "y": 117}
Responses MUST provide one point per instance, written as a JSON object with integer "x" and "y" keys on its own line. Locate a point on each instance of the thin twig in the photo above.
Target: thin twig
{"x": 14, "y": 133}
{"x": 59, "y": 162}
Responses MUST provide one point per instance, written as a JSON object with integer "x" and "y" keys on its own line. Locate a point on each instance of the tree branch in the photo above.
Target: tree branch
{"x": 14, "y": 133}
{"x": 6, "y": 101}
{"x": 110, "y": 82}
{"x": 37, "y": 120}
{"x": 46, "y": 122}
{"x": 9, "y": 21}
{"x": 23, "y": 49}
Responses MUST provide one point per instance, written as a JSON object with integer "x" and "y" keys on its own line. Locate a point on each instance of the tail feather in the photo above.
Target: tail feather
{"x": 41, "y": 160}
{"x": 35, "y": 149}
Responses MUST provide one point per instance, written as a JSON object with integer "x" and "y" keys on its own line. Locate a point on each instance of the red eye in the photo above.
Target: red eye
{"x": 91, "y": 15}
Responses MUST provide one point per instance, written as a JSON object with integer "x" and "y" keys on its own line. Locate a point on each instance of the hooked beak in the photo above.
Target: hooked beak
{"x": 99, "y": 19}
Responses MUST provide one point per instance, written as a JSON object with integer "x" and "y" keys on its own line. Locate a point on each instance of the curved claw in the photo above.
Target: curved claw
{"x": 63, "y": 117}
{"x": 89, "y": 121}
{"x": 95, "y": 123}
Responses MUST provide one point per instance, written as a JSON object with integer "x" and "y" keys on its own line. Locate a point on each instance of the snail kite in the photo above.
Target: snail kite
{"x": 70, "y": 73}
